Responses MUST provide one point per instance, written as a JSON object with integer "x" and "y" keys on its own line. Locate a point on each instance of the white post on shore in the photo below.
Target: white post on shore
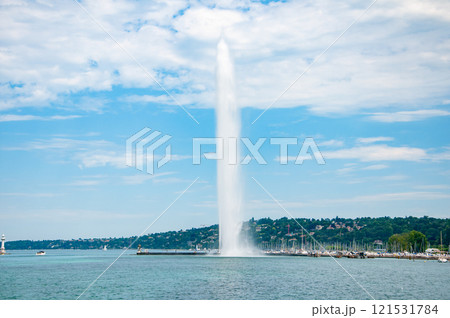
{"x": 2, "y": 249}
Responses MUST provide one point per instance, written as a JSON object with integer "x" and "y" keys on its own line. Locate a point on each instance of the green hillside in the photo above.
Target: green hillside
{"x": 268, "y": 233}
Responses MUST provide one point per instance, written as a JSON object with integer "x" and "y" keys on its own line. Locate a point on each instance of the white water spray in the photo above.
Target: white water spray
{"x": 228, "y": 169}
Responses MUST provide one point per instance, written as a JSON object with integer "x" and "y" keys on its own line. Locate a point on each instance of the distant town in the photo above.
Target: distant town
{"x": 411, "y": 234}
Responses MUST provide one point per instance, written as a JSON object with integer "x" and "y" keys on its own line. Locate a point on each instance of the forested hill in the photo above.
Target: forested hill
{"x": 268, "y": 232}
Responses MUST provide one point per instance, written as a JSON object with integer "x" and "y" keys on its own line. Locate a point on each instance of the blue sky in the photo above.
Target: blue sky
{"x": 377, "y": 103}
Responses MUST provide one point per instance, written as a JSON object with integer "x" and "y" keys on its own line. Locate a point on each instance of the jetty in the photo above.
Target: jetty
{"x": 140, "y": 251}
{"x": 171, "y": 252}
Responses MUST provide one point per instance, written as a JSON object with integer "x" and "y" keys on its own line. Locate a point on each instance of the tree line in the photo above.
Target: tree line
{"x": 275, "y": 232}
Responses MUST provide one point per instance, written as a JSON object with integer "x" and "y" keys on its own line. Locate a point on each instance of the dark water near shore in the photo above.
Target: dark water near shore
{"x": 65, "y": 274}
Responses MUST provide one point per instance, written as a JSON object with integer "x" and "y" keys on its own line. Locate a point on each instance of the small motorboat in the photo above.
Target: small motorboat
{"x": 40, "y": 253}
{"x": 442, "y": 260}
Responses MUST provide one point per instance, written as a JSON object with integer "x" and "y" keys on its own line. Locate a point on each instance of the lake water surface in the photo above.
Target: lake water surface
{"x": 65, "y": 274}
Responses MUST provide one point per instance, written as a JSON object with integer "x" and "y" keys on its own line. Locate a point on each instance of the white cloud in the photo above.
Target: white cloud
{"x": 204, "y": 23}
{"x": 378, "y": 153}
{"x": 101, "y": 158}
{"x": 65, "y": 215}
{"x": 149, "y": 99}
{"x": 29, "y": 194}
{"x": 87, "y": 153}
{"x": 375, "y": 167}
{"x": 331, "y": 143}
{"x": 372, "y": 198}
{"x": 433, "y": 186}
{"x": 144, "y": 177}
{"x": 400, "y": 196}
{"x": 206, "y": 204}
{"x": 85, "y": 183}
{"x": 440, "y": 156}
{"x": 373, "y": 139}
{"x": 406, "y": 116}
{"x": 259, "y": 205}
{"x": 385, "y": 153}
{"x": 395, "y": 177}
{"x": 64, "y": 143}
{"x": 345, "y": 170}
{"x": 49, "y": 52}
{"x": 5, "y": 118}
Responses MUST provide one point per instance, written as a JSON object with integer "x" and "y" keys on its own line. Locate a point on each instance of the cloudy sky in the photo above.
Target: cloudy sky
{"x": 369, "y": 81}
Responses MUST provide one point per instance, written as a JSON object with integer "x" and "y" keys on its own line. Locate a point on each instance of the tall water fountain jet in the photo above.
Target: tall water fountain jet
{"x": 228, "y": 170}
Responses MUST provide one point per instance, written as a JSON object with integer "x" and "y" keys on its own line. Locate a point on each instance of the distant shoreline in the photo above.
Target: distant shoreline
{"x": 337, "y": 233}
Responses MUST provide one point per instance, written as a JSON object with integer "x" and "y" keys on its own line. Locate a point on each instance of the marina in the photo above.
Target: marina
{"x": 361, "y": 255}
{"x": 441, "y": 257}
